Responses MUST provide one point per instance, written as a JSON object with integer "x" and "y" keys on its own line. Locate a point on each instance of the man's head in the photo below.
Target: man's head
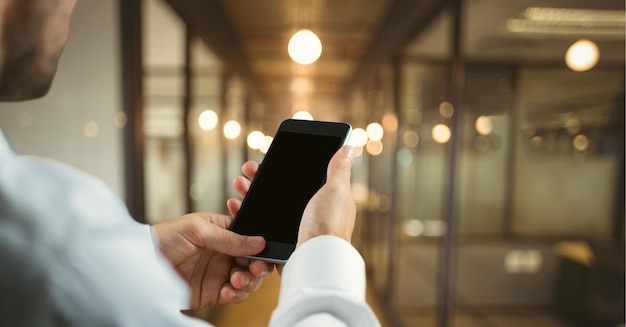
{"x": 32, "y": 36}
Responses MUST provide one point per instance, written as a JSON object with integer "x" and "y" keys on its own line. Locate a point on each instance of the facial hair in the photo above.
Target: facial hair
{"x": 30, "y": 61}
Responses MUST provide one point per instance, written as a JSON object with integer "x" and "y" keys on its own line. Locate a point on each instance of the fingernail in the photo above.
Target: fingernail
{"x": 255, "y": 241}
{"x": 348, "y": 150}
{"x": 245, "y": 280}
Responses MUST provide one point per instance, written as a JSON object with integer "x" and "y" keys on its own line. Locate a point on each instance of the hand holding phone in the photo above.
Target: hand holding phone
{"x": 292, "y": 171}
{"x": 332, "y": 210}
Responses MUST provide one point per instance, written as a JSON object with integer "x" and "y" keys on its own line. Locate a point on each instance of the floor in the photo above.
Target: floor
{"x": 491, "y": 320}
{"x": 256, "y": 311}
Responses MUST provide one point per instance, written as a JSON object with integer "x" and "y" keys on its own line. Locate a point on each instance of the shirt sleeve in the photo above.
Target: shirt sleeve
{"x": 72, "y": 256}
{"x": 323, "y": 284}
{"x": 119, "y": 274}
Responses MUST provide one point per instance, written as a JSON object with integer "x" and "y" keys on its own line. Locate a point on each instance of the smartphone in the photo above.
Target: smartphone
{"x": 292, "y": 171}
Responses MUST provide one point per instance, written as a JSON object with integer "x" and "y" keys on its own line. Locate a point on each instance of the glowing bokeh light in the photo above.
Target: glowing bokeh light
{"x": 446, "y": 109}
{"x": 441, "y": 133}
{"x": 410, "y": 139}
{"x": 390, "y": 122}
{"x": 582, "y": 55}
{"x": 581, "y": 142}
{"x": 267, "y": 142}
{"x": 304, "y": 47}
{"x": 571, "y": 123}
{"x": 404, "y": 157}
{"x": 120, "y": 120}
{"x": 484, "y": 125}
{"x": 435, "y": 228}
{"x": 374, "y": 147}
{"x": 358, "y": 152}
{"x": 302, "y": 115}
{"x": 358, "y": 137}
{"x": 413, "y": 227}
{"x": 232, "y": 129}
{"x": 374, "y": 131}
{"x": 207, "y": 120}
{"x": 255, "y": 140}
{"x": 91, "y": 129}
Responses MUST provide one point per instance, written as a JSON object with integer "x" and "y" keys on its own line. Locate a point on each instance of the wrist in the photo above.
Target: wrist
{"x": 310, "y": 232}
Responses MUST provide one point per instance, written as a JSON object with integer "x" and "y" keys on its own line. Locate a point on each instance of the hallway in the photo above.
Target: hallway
{"x": 489, "y": 179}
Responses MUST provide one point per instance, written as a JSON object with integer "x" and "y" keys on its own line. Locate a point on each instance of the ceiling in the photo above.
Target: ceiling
{"x": 265, "y": 27}
{"x": 251, "y": 36}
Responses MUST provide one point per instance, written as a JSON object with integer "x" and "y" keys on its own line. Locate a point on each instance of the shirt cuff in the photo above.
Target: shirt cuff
{"x": 324, "y": 263}
{"x": 153, "y": 240}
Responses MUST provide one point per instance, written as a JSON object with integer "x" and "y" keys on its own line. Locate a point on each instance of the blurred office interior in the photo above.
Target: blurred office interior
{"x": 490, "y": 180}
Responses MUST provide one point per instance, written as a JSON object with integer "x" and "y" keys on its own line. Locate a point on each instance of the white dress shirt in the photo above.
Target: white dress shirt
{"x": 70, "y": 255}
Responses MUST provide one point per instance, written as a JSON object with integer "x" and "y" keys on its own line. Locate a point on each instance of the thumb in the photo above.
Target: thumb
{"x": 231, "y": 243}
{"x": 340, "y": 165}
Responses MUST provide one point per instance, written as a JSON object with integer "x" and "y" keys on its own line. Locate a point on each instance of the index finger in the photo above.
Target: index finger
{"x": 250, "y": 168}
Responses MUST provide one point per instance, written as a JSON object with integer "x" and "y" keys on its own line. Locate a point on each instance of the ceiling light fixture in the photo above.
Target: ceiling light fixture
{"x": 304, "y": 47}
{"x": 575, "y": 15}
{"x": 568, "y": 21}
{"x": 582, "y": 55}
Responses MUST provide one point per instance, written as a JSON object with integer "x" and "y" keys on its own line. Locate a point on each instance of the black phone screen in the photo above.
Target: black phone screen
{"x": 293, "y": 170}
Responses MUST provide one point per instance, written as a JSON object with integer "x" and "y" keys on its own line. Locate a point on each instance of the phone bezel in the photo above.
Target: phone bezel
{"x": 278, "y": 252}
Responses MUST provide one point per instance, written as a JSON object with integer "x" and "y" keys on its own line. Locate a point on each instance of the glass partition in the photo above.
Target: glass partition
{"x": 205, "y": 120}
{"x": 565, "y": 121}
{"x": 164, "y": 58}
{"x": 538, "y": 194}
{"x": 422, "y": 162}
{"x": 373, "y": 176}
{"x": 539, "y": 165}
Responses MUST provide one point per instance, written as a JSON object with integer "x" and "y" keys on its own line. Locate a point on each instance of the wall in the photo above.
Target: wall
{"x": 564, "y": 192}
{"x": 85, "y": 95}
